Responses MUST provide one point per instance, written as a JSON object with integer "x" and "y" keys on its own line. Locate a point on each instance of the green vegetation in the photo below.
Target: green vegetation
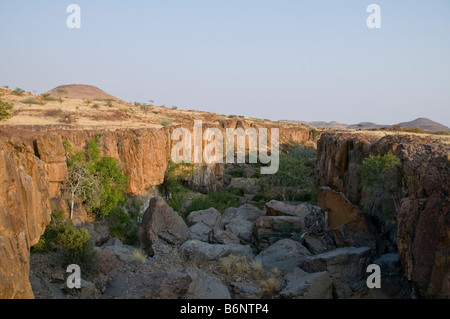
{"x": 18, "y": 92}
{"x": 49, "y": 97}
{"x": 30, "y": 100}
{"x": 74, "y": 245}
{"x": 95, "y": 180}
{"x": 296, "y": 179}
{"x": 165, "y": 122}
{"x": 5, "y": 110}
{"x": 172, "y": 188}
{"x": 314, "y": 134}
{"x": 236, "y": 172}
{"x": 442, "y": 133}
{"x": 125, "y": 220}
{"x": 381, "y": 185}
{"x": 220, "y": 200}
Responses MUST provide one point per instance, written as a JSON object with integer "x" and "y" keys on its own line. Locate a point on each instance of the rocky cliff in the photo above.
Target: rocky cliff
{"x": 423, "y": 219}
{"x": 24, "y": 213}
{"x": 33, "y": 169}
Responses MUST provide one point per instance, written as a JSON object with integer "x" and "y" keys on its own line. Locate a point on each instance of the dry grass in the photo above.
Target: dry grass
{"x": 270, "y": 287}
{"x": 139, "y": 255}
{"x": 232, "y": 265}
{"x": 257, "y": 270}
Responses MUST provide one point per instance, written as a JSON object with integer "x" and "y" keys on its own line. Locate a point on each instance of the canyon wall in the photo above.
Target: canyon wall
{"x": 423, "y": 218}
{"x": 33, "y": 169}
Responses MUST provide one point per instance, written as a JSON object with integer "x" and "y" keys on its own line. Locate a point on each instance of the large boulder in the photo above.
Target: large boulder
{"x": 210, "y": 217}
{"x": 269, "y": 229}
{"x": 246, "y": 212}
{"x": 277, "y": 208}
{"x": 346, "y": 266}
{"x": 242, "y": 228}
{"x": 204, "y": 286}
{"x": 161, "y": 223}
{"x": 299, "y": 284}
{"x": 284, "y": 255}
{"x": 198, "y": 250}
{"x": 154, "y": 285}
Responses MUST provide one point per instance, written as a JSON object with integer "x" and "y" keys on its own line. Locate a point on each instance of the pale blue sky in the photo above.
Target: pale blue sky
{"x": 286, "y": 59}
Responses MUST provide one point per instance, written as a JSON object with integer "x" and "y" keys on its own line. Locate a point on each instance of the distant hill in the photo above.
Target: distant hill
{"x": 81, "y": 91}
{"x": 425, "y": 124}
{"x": 422, "y": 123}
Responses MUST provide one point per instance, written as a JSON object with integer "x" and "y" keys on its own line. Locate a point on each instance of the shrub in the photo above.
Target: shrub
{"x": 220, "y": 200}
{"x": 172, "y": 188}
{"x": 270, "y": 287}
{"x": 233, "y": 264}
{"x": 257, "y": 269}
{"x": 109, "y": 104}
{"x": 381, "y": 185}
{"x": 314, "y": 134}
{"x": 236, "y": 172}
{"x": 49, "y": 97}
{"x": 18, "y": 91}
{"x": 442, "y": 133}
{"x": 30, "y": 100}
{"x": 5, "y": 110}
{"x": 165, "y": 122}
{"x": 140, "y": 255}
{"x": 124, "y": 221}
{"x": 96, "y": 106}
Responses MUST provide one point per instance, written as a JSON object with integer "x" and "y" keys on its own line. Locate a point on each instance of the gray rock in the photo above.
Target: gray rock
{"x": 195, "y": 249}
{"x": 246, "y": 291}
{"x": 269, "y": 229}
{"x": 161, "y": 222}
{"x": 277, "y": 208}
{"x": 155, "y": 285}
{"x": 245, "y": 212}
{"x": 317, "y": 244}
{"x": 123, "y": 252}
{"x": 210, "y": 217}
{"x": 284, "y": 255}
{"x": 87, "y": 290}
{"x": 346, "y": 266}
{"x": 248, "y": 172}
{"x": 242, "y": 228}
{"x": 301, "y": 285}
{"x": 200, "y": 232}
{"x": 99, "y": 233}
{"x": 113, "y": 242}
{"x": 219, "y": 236}
{"x": 204, "y": 286}
{"x": 389, "y": 264}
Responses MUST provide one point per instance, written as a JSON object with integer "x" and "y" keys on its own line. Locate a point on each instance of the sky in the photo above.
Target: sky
{"x": 281, "y": 60}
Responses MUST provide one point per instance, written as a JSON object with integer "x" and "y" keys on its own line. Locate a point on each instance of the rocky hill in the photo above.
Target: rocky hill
{"x": 81, "y": 91}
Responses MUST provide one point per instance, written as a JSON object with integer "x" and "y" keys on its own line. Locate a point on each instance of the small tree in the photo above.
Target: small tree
{"x": 61, "y": 92}
{"x": 381, "y": 185}
{"x": 5, "y": 110}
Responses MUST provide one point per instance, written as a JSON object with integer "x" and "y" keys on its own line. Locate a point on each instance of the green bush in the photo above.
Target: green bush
{"x": 172, "y": 188}
{"x": 5, "y": 110}
{"x": 49, "y": 97}
{"x": 381, "y": 185}
{"x": 236, "y": 172}
{"x": 295, "y": 180}
{"x": 220, "y": 200}
{"x": 94, "y": 179}
{"x": 442, "y": 133}
{"x": 125, "y": 220}
{"x": 30, "y": 100}
{"x": 165, "y": 122}
{"x": 18, "y": 91}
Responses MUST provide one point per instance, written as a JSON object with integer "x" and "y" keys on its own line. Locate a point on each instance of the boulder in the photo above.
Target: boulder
{"x": 242, "y": 228}
{"x": 246, "y": 291}
{"x": 204, "y": 286}
{"x": 284, "y": 255}
{"x": 389, "y": 264}
{"x": 302, "y": 285}
{"x": 346, "y": 266}
{"x": 154, "y": 285}
{"x": 248, "y": 172}
{"x": 210, "y": 217}
{"x": 246, "y": 212}
{"x": 269, "y": 229}
{"x": 219, "y": 236}
{"x": 277, "y": 208}
{"x": 317, "y": 244}
{"x": 161, "y": 222}
{"x": 198, "y": 250}
{"x": 99, "y": 233}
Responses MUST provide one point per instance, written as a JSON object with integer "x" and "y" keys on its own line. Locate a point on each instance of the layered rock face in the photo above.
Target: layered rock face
{"x": 24, "y": 214}
{"x": 423, "y": 218}
{"x": 33, "y": 169}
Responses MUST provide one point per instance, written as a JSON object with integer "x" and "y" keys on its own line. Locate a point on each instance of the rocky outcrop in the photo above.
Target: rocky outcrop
{"x": 24, "y": 213}
{"x": 161, "y": 223}
{"x": 423, "y": 216}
